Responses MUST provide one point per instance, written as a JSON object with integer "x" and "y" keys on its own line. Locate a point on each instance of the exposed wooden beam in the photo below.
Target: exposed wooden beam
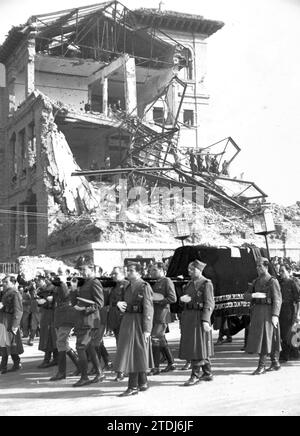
{"x": 108, "y": 70}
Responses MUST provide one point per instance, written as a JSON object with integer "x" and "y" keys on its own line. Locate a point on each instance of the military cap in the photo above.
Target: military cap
{"x": 198, "y": 264}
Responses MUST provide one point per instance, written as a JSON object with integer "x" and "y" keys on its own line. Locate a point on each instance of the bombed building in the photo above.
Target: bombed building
{"x": 92, "y": 95}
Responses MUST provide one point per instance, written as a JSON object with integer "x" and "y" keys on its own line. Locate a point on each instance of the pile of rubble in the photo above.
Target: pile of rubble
{"x": 31, "y": 266}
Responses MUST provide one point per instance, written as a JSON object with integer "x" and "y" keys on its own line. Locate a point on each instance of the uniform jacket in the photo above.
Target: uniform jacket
{"x": 271, "y": 288}
{"x": 64, "y": 313}
{"x": 203, "y": 294}
{"x": 162, "y": 312}
{"x": 91, "y": 290}
{"x": 290, "y": 291}
{"x": 141, "y": 295}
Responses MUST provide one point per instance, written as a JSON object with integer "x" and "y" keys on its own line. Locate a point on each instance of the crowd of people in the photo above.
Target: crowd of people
{"x": 207, "y": 162}
{"x": 58, "y": 305}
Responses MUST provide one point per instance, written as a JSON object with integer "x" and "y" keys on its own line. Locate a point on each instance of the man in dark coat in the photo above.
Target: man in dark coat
{"x": 64, "y": 320}
{"x": 31, "y": 313}
{"x": 47, "y": 342}
{"x": 196, "y": 337}
{"x": 290, "y": 310}
{"x": 163, "y": 295}
{"x": 264, "y": 333}
{"x": 134, "y": 354}
{"x": 115, "y": 315}
{"x": 11, "y": 311}
{"x": 89, "y": 302}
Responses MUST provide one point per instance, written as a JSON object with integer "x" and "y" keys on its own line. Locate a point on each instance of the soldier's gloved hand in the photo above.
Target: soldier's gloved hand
{"x": 121, "y": 305}
{"x": 146, "y": 336}
{"x": 185, "y": 299}
{"x": 50, "y": 298}
{"x": 206, "y": 327}
{"x": 275, "y": 321}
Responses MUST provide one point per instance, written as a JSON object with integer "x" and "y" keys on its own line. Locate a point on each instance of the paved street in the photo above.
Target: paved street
{"x": 233, "y": 392}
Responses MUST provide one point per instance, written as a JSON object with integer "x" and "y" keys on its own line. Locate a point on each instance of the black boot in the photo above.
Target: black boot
{"x": 275, "y": 365}
{"x": 17, "y": 363}
{"x": 74, "y": 358}
{"x": 261, "y": 369}
{"x": 96, "y": 363}
{"x": 156, "y": 358}
{"x": 54, "y": 361}
{"x": 170, "y": 359}
{"x": 194, "y": 378}
{"x": 4, "y": 360}
{"x": 132, "y": 385}
{"x": 62, "y": 367}
{"x": 186, "y": 366}
{"x": 108, "y": 365}
{"x": 46, "y": 361}
{"x": 207, "y": 373}
{"x": 119, "y": 377}
{"x": 142, "y": 382}
{"x": 83, "y": 365}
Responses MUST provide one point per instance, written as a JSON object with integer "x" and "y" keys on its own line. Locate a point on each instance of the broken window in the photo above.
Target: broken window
{"x": 14, "y": 157}
{"x": 2, "y": 76}
{"x": 158, "y": 115}
{"x": 32, "y": 137}
{"x": 22, "y": 142}
{"x": 28, "y": 221}
{"x": 188, "y": 117}
{"x": 13, "y": 227}
{"x": 189, "y": 67}
{"x": 23, "y": 226}
{"x": 31, "y": 145}
{"x": 32, "y": 221}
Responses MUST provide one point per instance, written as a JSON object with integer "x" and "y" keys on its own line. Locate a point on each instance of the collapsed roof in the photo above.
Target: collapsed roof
{"x": 102, "y": 31}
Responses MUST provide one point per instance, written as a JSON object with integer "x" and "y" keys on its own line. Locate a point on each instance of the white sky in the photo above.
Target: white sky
{"x": 254, "y": 71}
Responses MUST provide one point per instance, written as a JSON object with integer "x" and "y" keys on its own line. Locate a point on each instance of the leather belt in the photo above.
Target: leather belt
{"x": 134, "y": 308}
{"x": 267, "y": 301}
{"x": 193, "y": 306}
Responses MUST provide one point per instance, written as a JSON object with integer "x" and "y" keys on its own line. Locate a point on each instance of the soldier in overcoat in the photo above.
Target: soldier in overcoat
{"x": 264, "y": 332}
{"x": 88, "y": 324}
{"x": 115, "y": 315}
{"x": 196, "y": 336}
{"x": 164, "y": 295}
{"x": 134, "y": 354}
{"x": 47, "y": 342}
{"x": 290, "y": 310}
{"x": 11, "y": 311}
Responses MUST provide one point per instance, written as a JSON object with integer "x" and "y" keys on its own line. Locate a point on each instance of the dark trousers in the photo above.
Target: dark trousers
{"x": 137, "y": 379}
{"x": 286, "y": 319}
{"x": 160, "y": 344}
{"x": 15, "y": 358}
{"x": 263, "y": 357}
{"x": 197, "y": 365}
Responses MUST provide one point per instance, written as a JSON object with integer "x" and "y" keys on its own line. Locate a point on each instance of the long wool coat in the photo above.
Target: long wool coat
{"x": 263, "y": 338}
{"x": 134, "y": 354}
{"x": 195, "y": 343}
{"x": 116, "y": 295}
{"x": 47, "y": 342}
{"x": 11, "y": 315}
